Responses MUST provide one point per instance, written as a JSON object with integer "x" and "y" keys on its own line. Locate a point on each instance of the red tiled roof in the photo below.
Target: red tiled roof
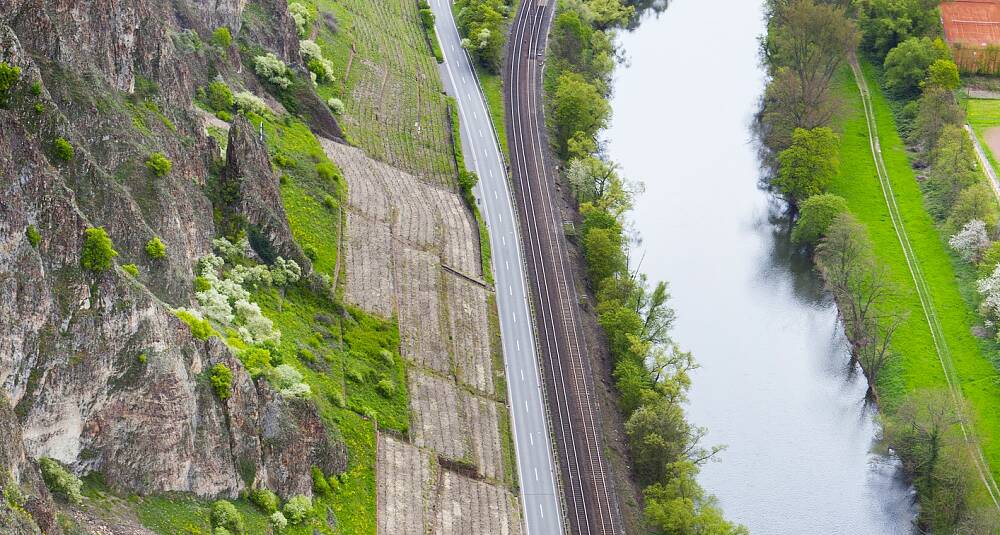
{"x": 974, "y": 22}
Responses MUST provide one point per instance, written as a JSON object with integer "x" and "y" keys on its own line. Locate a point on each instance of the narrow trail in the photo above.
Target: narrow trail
{"x": 923, "y": 291}
{"x": 984, "y": 162}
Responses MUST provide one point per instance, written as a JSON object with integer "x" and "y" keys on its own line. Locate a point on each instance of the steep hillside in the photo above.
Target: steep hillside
{"x": 186, "y": 344}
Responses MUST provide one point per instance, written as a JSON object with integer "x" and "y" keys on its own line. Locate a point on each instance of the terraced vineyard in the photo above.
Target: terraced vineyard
{"x": 412, "y": 252}
{"x": 388, "y": 80}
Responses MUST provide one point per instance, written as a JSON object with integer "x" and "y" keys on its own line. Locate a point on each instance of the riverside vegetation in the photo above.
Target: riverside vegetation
{"x": 815, "y": 132}
{"x": 650, "y": 370}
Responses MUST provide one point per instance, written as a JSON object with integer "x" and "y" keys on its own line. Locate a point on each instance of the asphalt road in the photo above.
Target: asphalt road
{"x": 536, "y": 471}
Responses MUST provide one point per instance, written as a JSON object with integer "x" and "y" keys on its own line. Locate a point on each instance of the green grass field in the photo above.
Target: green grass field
{"x": 945, "y": 275}
{"x": 983, "y": 115}
{"x": 393, "y": 94}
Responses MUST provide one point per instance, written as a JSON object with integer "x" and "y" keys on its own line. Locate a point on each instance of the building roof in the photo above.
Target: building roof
{"x": 973, "y": 22}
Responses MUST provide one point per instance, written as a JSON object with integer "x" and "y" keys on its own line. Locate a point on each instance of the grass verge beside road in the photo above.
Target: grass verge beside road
{"x": 918, "y": 366}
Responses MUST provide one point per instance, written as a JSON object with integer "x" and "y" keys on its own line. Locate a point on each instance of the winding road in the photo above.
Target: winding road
{"x": 536, "y": 470}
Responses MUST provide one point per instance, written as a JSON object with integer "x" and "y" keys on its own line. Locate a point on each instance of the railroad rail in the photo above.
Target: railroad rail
{"x": 591, "y": 507}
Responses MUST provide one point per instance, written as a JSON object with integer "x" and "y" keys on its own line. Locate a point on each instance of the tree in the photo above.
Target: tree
{"x": 815, "y": 216}
{"x": 937, "y": 109}
{"x": 482, "y": 23}
{"x": 943, "y": 73}
{"x": 679, "y": 506}
{"x": 9, "y": 75}
{"x": 954, "y": 167}
{"x": 222, "y": 38}
{"x": 603, "y": 250}
{"x": 906, "y": 66}
{"x": 155, "y": 248}
{"x": 886, "y": 23}
{"x": 860, "y": 284}
{"x": 225, "y": 515}
{"x": 98, "y": 250}
{"x": 971, "y": 241}
{"x": 221, "y": 378}
{"x": 659, "y": 436}
{"x": 924, "y": 431}
{"x": 158, "y": 163}
{"x": 220, "y": 97}
{"x": 808, "y": 165}
{"x": 875, "y": 352}
{"x": 577, "y": 107}
{"x": 812, "y": 41}
{"x": 974, "y": 202}
{"x": 62, "y": 149}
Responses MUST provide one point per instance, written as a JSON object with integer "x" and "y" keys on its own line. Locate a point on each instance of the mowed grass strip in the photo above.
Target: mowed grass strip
{"x": 984, "y": 114}
{"x": 919, "y": 366}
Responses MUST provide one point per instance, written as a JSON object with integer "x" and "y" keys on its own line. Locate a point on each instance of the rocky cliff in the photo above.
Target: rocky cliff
{"x": 101, "y": 374}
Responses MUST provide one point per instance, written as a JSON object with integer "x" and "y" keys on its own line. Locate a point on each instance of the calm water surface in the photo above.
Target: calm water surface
{"x": 774, "y": 384}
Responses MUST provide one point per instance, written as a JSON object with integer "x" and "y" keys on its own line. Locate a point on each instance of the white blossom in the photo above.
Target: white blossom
{"x": 254, "y": 327}
{"x": 971, "y": 241}
{"x": 990, "y": 289}
{"x": 215, "y": 306}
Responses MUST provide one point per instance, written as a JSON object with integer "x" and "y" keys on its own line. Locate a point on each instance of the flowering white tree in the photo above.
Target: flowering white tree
{"x": 971, "y": 241}
{"x": 990, "y": 290}
{"x": 215, "y": 305}
{"x": 254, "y": 327}
{"x": 285, "y": 272}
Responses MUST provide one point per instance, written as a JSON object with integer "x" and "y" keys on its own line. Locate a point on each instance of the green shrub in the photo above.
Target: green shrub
{"x": 201, "y": 329}
{"x": 155, "y": 248}
{"x": 222, "y": 380}
{"x": 815, "y": 216}
{"x": 297, "y": 508}
{"x": 426, "y": 18}
{"x": 225, "y": 515}
{"x": 387, "y": 357}
{"x": 272, "y": 69}
{"x": 247, "y": 102}
{"x": 39, "y": 108}
{"x": 61, "y": 482}
{"x": 330, "y": 202}
{"x": 9, "y": 75}
{"x": 62, "y": 150}
{"x": 224, "y": 116}
{"x": 142, "y": 358}
{"x": 386, "y": 387}
{"x": 158, "y": 164}
{"x": 222, "y": 38}
{"x": 201, "y": 284}
{"x": 131, "y": 269}
{"x": 97, "y": 250}
{"x": 283, "y": 161}
{"x": 336, "y": 106}
{"x": 265, "y": 499}
{"x": 320, "y": 485}
{"x": 278, "y": 521}
{"x": 326, "y": 171}
{"x": 36, "y": 88}
{"x": 310, "y": 252}
{"x": 34, "y": 237}
{"x": 220, "y": 97}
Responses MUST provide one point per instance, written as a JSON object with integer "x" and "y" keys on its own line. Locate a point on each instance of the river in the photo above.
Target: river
{"x": 774, "y": 383}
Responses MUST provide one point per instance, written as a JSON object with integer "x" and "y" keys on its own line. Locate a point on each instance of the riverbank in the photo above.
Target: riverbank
{"x": 898, "y": 248}
{"x": 949, "y": 280}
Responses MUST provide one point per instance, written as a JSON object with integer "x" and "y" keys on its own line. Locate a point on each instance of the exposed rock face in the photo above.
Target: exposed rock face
{"x": 18, "y": 475}
{"x": 69, "y": 359}
{"x": 249, "y": 175}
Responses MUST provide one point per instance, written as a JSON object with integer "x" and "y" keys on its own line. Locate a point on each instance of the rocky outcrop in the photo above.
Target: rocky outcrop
{"x": 257, "y": 199}
{"x": 70, "y": 359}
{"x": 25, "y": 504}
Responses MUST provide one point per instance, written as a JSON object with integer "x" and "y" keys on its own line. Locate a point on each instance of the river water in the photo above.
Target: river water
{"x": 774, "y": 385}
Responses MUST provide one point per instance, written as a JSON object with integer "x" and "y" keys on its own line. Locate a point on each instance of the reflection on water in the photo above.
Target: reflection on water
{"x": 775, "y": 384}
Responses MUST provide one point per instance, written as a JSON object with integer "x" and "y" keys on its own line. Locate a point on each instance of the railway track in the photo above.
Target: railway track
{"x": 590, "y": 505}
